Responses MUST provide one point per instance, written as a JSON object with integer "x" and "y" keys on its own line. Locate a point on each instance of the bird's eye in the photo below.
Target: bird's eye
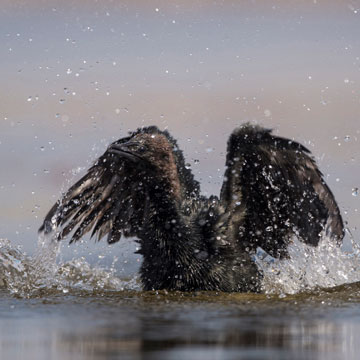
{"x": 136, "y": 147}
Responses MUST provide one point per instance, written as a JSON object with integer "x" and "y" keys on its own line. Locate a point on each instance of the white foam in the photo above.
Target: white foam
{"x": 307, "y": 267}
{"x": 30, "y": 276}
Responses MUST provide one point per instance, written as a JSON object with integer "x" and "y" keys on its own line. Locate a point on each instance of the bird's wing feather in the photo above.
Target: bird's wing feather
{"x": 109, "y": 199}
{"x": 273, "y": 189}
{"x": 112, "y": 198}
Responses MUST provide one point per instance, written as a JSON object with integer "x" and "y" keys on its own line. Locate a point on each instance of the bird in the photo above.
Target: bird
{"x": 141, "y": 187}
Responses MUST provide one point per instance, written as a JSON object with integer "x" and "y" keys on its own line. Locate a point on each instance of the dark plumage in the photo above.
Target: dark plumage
{"x": 140, "y": 187}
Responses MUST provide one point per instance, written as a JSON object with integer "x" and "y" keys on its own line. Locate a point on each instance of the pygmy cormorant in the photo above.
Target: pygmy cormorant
{"x": 140, "y": 187}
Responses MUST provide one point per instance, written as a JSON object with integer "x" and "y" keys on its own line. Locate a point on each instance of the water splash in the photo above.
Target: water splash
{"x": 306, "y": 269}
{"x": 309, "y": 268}
{"x": 41, "y": 274}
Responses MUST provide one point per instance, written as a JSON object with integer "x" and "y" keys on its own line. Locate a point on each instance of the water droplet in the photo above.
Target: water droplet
{"x": 46, "y": 171}
{"x": 347, "y": 138}
{"x": 61, "y": 101}
{"x": 355, "y": 191}
{"x": 196, "y": 161}
{"x": 267, "y": 113}
{"x": 65, "y": 118}
{"x": 42, "y": 148}
{"x": 188, "y": 166}
{"x": 29, "y": 98}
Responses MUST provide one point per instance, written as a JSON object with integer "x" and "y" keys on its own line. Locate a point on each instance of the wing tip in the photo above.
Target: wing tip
{"x": 253, "y": 134}
{"x": 247, "y": 134}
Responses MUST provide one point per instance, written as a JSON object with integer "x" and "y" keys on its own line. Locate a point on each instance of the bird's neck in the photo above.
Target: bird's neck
{"x": 173, "y": 251}
{"x": 189, "y": 253}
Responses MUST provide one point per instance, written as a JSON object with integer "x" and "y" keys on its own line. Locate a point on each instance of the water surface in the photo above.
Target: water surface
{"x": 142, "y": 325}
{"x": 72, "y": 310}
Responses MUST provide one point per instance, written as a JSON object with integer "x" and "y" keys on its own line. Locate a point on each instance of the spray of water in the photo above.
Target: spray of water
{"x": 27, "y": 276}
{"x": 305, "y": 269}
{"x": 308, "y": 268}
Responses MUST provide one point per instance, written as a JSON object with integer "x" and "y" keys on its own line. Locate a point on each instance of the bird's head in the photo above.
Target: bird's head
{"x": 153, "y": 152}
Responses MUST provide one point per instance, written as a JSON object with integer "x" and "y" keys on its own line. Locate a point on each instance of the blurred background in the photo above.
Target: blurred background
{"x": 78, "y": 74}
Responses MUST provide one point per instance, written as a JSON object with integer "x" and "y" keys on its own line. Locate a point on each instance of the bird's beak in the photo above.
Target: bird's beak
{"x": 123, "y": 150}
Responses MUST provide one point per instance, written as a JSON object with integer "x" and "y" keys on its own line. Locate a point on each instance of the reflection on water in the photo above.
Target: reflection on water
{"x": 178, "y": 326}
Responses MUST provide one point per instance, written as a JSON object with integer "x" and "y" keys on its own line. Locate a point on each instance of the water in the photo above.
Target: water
{"x": 29, "y": 277}
{"x": 309, "y": 268}
{"x": 72, "y": 310}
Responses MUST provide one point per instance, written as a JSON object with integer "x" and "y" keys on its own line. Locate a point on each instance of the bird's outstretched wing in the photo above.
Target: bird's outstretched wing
{"x": 109, "y": 199}
{"x": 113, "y": 197}
{"x": 273, "y": 189}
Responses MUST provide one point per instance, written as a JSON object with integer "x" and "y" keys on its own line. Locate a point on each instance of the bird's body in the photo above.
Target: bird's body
{"x": 189, "y": 251}
{"x": 141, "y": 187}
